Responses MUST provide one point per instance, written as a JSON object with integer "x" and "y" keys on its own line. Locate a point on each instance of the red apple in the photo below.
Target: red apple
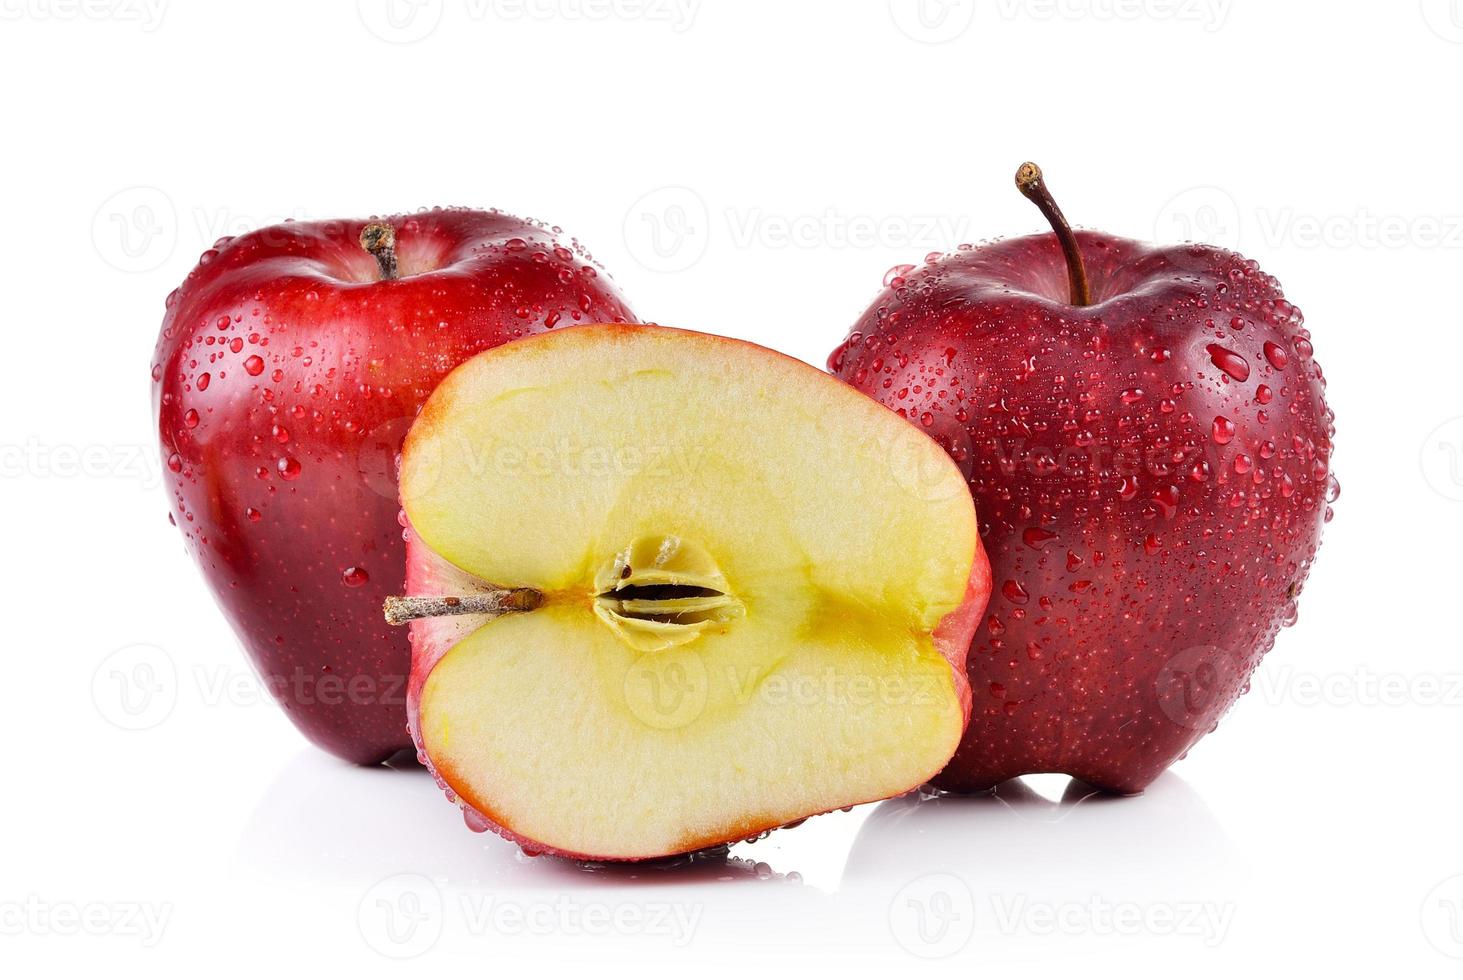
{"x": 1146, "y": 438}
{"x": 291, "y": 363}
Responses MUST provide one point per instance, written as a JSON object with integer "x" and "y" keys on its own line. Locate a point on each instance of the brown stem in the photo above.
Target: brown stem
{"x": 1029, "y": 181}
{"x": 402, "y": 609}
{"x": 379, "y": 239}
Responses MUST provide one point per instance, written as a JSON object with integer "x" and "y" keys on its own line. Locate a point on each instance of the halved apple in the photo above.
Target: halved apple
{"x": 673, "y": 590}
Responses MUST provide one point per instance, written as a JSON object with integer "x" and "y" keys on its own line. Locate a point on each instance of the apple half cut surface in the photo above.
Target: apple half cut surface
{"x": 671, "y": 590}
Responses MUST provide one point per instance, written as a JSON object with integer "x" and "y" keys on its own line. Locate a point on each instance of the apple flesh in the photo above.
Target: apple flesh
{"x": 733, "y": 592}
{"x": 290, "y": 365}
{"x": 1152, "y": 472}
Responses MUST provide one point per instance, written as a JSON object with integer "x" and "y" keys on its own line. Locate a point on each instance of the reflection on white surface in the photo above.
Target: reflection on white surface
{"x": 1012, "y": 872}
{"x": 920, "y": 876}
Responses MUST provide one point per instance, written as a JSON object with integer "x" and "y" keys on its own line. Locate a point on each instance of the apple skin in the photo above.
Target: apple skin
{"x": 286, "y": 375}
{"x": 427, "y": 573}
{"x": 1151, "y": 474}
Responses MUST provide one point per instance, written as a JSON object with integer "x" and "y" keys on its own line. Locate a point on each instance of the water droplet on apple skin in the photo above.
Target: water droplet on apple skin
{"x": 1230, "y": 362}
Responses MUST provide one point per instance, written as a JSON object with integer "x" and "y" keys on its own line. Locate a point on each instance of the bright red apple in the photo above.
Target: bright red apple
{"x": 1146, "y": 438}
{"x": 291, "y": 363}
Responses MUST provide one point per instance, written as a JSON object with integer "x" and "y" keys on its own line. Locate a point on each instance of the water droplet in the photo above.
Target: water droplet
{"x": 254, "y": 365}
{"x": 1014, "y": 593}
{"x": 895, "y": 276}
{"x": 1276, "y": 355}
{"x": 1167, "y": 500}
{"x": 1036, "y": 537}
{"x": 1229, "y": 362}
{"x": 175, "y": 463}
{"x": 288, "y": 467}
{"x": 1222, "y": 430}
{"x": 355, "y": 577}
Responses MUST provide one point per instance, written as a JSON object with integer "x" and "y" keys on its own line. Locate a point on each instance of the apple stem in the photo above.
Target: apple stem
{"x": 401, "y": 609}
{"x": 1031, "y": 185}
{"x": 379, "y": 239}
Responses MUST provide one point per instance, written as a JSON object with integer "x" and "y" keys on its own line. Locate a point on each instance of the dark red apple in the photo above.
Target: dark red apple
{"x": 291, "y": 363}
{"x": 1146, "y": 438}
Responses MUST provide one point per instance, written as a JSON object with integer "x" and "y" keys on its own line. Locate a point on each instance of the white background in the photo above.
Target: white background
{"x": 749, "y": 168}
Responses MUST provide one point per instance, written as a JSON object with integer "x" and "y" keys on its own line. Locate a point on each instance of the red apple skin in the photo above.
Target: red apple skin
{"x": 284, "y": 379}
{"x": 427, "y": 573}
{"x": 1151, "y": 474}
